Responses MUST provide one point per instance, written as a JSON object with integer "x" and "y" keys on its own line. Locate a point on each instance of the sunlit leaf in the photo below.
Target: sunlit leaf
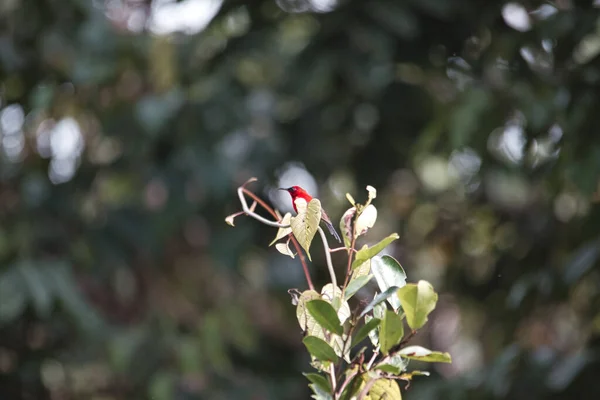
{"x": 355, "y": 285}
{"x": 365, "y": 220}
{"x": 366, "y": 253}
{"x": 305, "y": 224}
{"x": 388, "y": 273}
{"x": 418, "y": 300}
{"x": 284, "y": 248}
{"x": 384, "y": 389}
{"x": 229, "y": 219}
{"x": 423, "y": 354}
{"x": 351, "y": 199}
{"x": 283, "y": 232}
{"x": 305, "y": 319}
{"x": 325, "y": 315}
{"x": 319, "y": 349}
{"x": 372, "y": 193}
{"x": 334, "y": 296}
{"x": 362, "y": 270}
{"x": 391, "y": 331}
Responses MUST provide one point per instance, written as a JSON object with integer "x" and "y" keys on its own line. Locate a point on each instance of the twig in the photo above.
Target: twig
{"x": 349, "y": 266}
{"x": 366, "y": 389}
{"x": 294, "y": 241}
{"x": 345, "y": 383}
{"x": 328, "y": 258}
{"x": 332, "y": 375}
{"x": 372, "y": 360}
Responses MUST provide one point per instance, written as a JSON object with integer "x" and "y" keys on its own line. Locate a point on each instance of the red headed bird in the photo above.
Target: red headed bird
{"x": 298, "y": 192}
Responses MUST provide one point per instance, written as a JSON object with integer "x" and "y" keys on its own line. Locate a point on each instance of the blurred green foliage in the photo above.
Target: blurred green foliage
{"x": 125, "y": 127}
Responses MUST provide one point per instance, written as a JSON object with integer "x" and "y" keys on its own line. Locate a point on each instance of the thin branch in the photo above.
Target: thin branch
{"x": 252, "y": 214}
{"x": 345, "y": 383}
{"x": 366, "y": 389}
{"x": 349, "y": 266}
{"x": 332, "y": 376}
{"x": 294, "y": 241}
{"x": 328, "y": 257}
{"x": 372, "y": 360}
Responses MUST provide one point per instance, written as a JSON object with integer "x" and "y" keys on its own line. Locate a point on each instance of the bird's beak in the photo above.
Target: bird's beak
{"x": 282, "y": 189}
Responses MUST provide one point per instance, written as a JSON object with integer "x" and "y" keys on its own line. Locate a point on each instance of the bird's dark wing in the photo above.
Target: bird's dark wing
{"x": 327, "y": 222}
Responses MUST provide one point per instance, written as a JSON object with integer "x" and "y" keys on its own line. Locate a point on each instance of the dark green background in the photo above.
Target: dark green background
{"x": 124, "y": 282}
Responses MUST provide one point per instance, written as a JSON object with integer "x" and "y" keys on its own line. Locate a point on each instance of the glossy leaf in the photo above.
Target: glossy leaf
{"x": 388, "y": 273}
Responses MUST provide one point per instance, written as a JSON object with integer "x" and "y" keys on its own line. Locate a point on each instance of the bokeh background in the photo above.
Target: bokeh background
{"x": 126, "y": 125}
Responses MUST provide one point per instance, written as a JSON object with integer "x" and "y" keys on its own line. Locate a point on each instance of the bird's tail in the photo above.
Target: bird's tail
{"x": 332, "y": 230}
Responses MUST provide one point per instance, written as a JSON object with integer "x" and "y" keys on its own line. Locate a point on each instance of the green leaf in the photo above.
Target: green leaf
{"x": 319, "y": 380}
{"x": 364, "y": 330}
{"x": 362, "y": 270}
{"x": 284, "y": 248}
{"x": 369, "y": 252}
{"x": 391, "y": 331}
{"x": 423, "y": 354}
{"x": 378, "y": 299}
{"x": 384, "y": 389}
{"x": 388, "y": 273}
{"x": 355, "y": 285}
{"x": 418, "y": 300}
{"x": 283, "y": 232}
{"x": 325, "y": 315}
{"x": 305, "y": 224}
{"x": 319, "y": 349}
{"x": 319, "y": 394}
{"x": 305, "y": 319}
{"x": 334, "y": 296}
{"x": 393, "y": 365}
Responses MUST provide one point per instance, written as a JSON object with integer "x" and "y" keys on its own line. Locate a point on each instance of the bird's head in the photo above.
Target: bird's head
{"x": 295, "y": 191}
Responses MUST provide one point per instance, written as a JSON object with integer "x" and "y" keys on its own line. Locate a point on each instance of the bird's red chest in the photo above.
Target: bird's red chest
{"x": 304, "y": 196}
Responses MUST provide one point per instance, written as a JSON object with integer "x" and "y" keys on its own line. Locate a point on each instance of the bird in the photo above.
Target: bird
{"x": 298, "y": 192}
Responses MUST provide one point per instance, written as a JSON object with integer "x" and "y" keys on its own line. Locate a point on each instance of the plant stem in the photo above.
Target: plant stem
{"x": 328, "y": 258}
{"x": 366, "y": 389}
{"x": 345, "y": 383}
{"x": 349, "y": 267}
{"x": 294, "y": 241}
{"x": 332, "y": 375}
